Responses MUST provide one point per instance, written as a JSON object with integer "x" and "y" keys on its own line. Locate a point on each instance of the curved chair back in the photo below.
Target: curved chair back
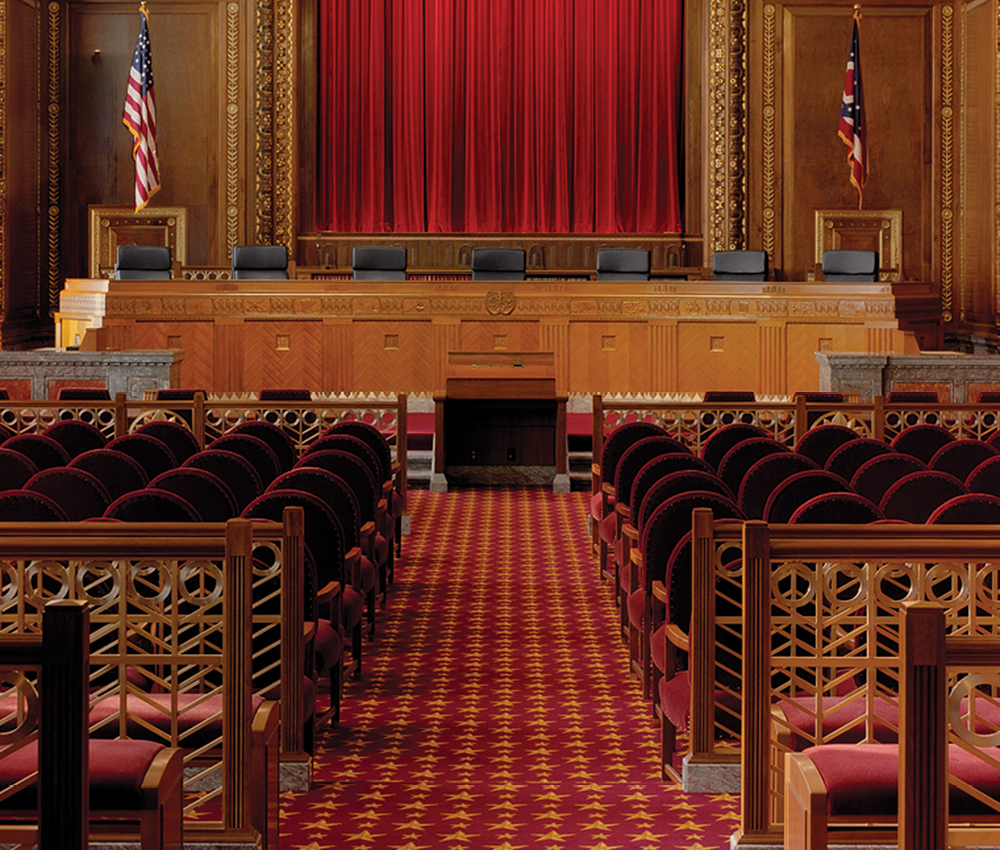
{"x": 354, "y": 471}
{"x": 83, "y": 394}
{"x": 798, "y": 489}
{"x": 619, "y": 440}
{"x": 967, "y": 509}
{"x": 498, "y": 264}
{"x": 356, "y": 446}
{"x": 208, "y": 494}
{"x": 117, "y": 471}
{"x": 960, "y": 457}
{"x": 371, "y": 436}
{"x": 658, "y": 468}
{"x": 333, "y": 490}
{"x": 179, "y": 439}
{"x": 985, "y": 478}
{"x": 151, "y": 453}
{"x": 28, "y": 506}
{"x": 914, "y": 497}
{"x": 233, "y": 469}
{"x": 80, "y": 494}
{"x": 143, "y": 262}
{"x": 846, "y": 508}
{"x": 739, "y": 265}
{"x": 255, "y": 450}
{"x": 260, "y": 262}
{"x": 379, "y": 262}
{"x": 820, "y": 442}
{"x": 623, "y": 264}
{"x": 148, "y": 505}
{"x": 76, "y": 436}
{"x": 636, "y": 456}
{"x": 922, "y": 441}
{"x": 722, "y": 440}
{"x": 737, "y": 461}
{"x": 677, "y": 484}
{"x": 15, "y": 469}
{"x": 850, "y": 266}
{"x": 877, "y": 475}
{"x": 279, "y": 441}
{"x": 764, "y": 476}
{"x": 847, "y": 459}
{"x": 275, "y": 394}
{"x": 43, "y": 451}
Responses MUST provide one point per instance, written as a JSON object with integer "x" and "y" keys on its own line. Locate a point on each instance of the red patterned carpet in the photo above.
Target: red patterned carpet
{"x": 495, "y": 710}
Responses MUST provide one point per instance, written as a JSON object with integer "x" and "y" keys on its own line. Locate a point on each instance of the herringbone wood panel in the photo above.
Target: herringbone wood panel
{"x": 266, "y": 364}
{"x": 733, "y": 367}
{"x": 197, "y": 340}
{"x": 392, "y": 356}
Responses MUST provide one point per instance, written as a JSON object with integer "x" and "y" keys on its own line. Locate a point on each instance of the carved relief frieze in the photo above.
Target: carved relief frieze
{"x": 500, "y": 302}
{"x": 173, "y": 305}
{"x": 665, "y": 307}
{"x": 338, "y": 306}
{"x": 283, "y": 305}
{"x": 263, "y": 122}
{"x": 115, "y": 306}
{"x": 772, "y": 307}
{"x": 583, "y": 307}
{"x": 227, "y": 306}
{"x": 54, "y": 158}
{"x": 768, "y": 116}
{"x": 232, "y": 179}
{"x": 285, "y": 86}
{"x": 4, "y": 224}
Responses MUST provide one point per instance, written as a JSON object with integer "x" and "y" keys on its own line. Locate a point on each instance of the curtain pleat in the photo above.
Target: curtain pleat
{"x": 514, "y": 116}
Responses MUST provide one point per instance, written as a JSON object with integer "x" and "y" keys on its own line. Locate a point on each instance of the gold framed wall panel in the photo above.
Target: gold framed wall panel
{"x": 865, "y": 230}
{"x": 110, "y": 226}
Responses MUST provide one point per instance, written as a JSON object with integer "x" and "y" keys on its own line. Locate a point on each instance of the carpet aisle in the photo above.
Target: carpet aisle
{"x": 495, "y": 710}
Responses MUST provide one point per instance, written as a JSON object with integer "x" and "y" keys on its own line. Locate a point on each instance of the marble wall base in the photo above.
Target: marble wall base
{"x": 957, "y": 378}
{"x": 39, "y": 374}
{"x": 710, "y": 778}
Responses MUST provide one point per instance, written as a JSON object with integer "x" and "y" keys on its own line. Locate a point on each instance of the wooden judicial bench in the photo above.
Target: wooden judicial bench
{"x": 663, "y": 335}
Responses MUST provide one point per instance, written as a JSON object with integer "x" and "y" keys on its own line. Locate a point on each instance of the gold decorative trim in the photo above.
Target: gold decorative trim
{"x": 947, "y": 160}
{"x": 885, "y": 227}
{"x": 232, "y": 125}
{"x": 769, "y": 188}
{"x": 285, "y": 85}
{"x": 54, "y": 161}
{"x": 263, "y": 225}
{"x": 152, "y": 225}
{"x": 4, "y": 224}
{"x": 996, "y": 173}
{"x": 727, "y": 78}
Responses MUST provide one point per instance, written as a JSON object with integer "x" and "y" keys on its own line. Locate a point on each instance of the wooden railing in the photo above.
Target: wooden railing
{"x": 175, "y": 610}
{"x": 210, "y": 418}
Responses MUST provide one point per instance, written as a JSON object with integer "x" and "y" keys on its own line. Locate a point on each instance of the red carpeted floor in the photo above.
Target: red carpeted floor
{"x": 495, "y": 710}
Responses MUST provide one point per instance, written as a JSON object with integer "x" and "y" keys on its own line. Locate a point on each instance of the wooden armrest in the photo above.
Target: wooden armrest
{"x": 386, "y": 488}
{"x": 368, "y": 529}
{"x": 608, "y": 488}
{"x": 352, "y": 563}
{"x": 631, "y": 532}
{"x": 595, "y": 470}
{"x": 395, "y": 468}
{"x": 327, "y": 593}
{"x": 660, "y": 593}
{"x": 678, "y": 637}
{"x": 621, "y": 509}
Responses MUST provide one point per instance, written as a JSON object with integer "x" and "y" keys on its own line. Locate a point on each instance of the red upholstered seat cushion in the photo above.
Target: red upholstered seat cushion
{"x": 328, "y": 645}
{"x": 636, "y": 607}
{"x": 200, "y": 715}
{"x": 116, "y": 771}
{"x": 381, "y": 549}
{"x": 843, "y": 717}
{"x": 397, "y": 504}
{"x": 863, "y": 779}
{"x": 595, "y": 504}
{"x": 352, "y": 607}
{"x": 607, "y": 528}
{"x": 368, "y": 574}
{"x": 675, "y": 700}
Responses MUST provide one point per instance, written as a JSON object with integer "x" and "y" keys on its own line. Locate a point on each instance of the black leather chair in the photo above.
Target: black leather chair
{"x": 379, "y": 262}
{"x": 622, "y": 264}
{"x": 850, "y": 266}
{"x": 498, "y": 264}
{"x": 143, "y": 262}
{"x": 739, "y": 265}
{"x": 260, "y": 262}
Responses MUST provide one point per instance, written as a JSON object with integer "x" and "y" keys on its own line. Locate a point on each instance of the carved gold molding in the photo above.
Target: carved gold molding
{"x": 232, "y": 200}
{"x": 4, "y": 224}
{"x": 768, "y": 212}
{"x": 996, "y": 174}
{"x": 727, "y": 79}
{"x": 263, "y": 225}
{"x": 885, "y": 228}
{"x": 285, "y": 79}
{"x": 54, "y": 160}
{"x": 947, "y": 160}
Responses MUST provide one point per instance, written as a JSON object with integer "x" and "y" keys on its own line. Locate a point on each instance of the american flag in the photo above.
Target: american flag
{"x": 139, "y": 116}
{"x": 852, "y": 119}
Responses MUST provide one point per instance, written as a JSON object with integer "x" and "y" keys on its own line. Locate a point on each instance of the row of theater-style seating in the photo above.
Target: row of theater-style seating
{"x": 388, "y": 262}
{"x": 159, "y": 473}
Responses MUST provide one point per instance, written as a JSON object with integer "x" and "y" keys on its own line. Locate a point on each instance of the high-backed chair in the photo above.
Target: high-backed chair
{"x": 878, "y": 474}
{"x": 76, "y": 436}
{"x": 747, "y": 266}
{"x": 788, "y": 496}
{"x": 760, "y": 480}
{"x": 498, "y": 263}
{"x": 960, "y": 457}
{"x": 922, "y": 441}
{"x": 208, "y": 494}
{"x": 847, "y": 459}
{"x": 379, "y": 262}
{"x": 149, "y": 505}
{"x": 143, "y": 262}
{"x": 83, "y": 394}
{"x": 254, "y": 449}
{"x": 79, "y": 493}
{"x": 820, "y": 442}
{"x": 234, "y": 469}
{"x": 623, "y": 264}
{"x": 179, "y": 439}
{"x": 151, "y": 453}
{"x": 15, "y": 469}
{"x": 260, "y": 262}
{"x": 118, "y": 472}
{"x": 914, "y": 497}
{"x": 850, "y": 266}
{"x": 43, "y": 451}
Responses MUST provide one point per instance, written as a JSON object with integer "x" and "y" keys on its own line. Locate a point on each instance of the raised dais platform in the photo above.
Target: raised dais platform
{"x": 374, "y": 336}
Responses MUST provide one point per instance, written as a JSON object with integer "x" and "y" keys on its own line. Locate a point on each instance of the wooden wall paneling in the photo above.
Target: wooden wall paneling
{"x": 900, "y": 48}
{"x": 500, "y": 335}
{"x": 976, "y": 285}
{"x": 804, "y": 371}
{"x": 282, "y": 354}
{"x": 228, "y": 355}
{"x": 720, "y": 356}
{"x": 612, "y": 356}
{"x": 391, "y": 356}
{"x": 446, "y": 334}
{"x": 25, "y": 155}
{"x": 554, "y": 337}
{"x": 194, "y": 57}
{"x": 335, "y": 355}
{"x": 663, "y": 360}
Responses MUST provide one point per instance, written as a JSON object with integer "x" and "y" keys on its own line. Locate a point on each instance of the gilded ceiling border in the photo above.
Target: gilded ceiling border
{"x": 54, "y": 134}
{"x": 727, "y": 123}
{"x": 947, "y": 161}
{"x": 263, "y": 123}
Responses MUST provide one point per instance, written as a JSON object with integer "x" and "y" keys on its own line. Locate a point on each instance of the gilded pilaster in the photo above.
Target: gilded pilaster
{"x": 232, "y": 125}
{"x": 4, "y": 224}
{"x": 727, "y": 76}
{"x": 996, "y": 171}
{"x": 264, "y": 123}
{"x": 54, "y": 274}
{"x": 947, "y": 160}
{"x": 768, "y": 211}
{"x": 285, "y": 50}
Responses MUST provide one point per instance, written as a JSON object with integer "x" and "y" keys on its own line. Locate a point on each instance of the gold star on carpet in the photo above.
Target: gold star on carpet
{"x": 364, "y": 836}
{"x": 649, "y": 836}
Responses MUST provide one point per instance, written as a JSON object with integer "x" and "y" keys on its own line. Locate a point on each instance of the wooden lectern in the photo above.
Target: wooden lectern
{"x": 500, "y": 408}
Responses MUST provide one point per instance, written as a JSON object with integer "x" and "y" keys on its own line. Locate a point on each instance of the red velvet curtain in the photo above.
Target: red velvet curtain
{"x": 516, "y": 116}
